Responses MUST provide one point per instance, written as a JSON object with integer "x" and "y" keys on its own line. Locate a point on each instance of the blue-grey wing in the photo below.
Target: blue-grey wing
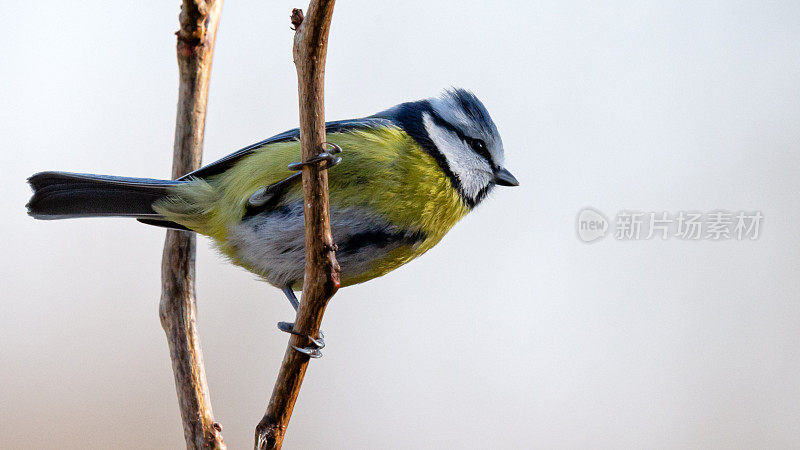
{"x": 339, "y": 126}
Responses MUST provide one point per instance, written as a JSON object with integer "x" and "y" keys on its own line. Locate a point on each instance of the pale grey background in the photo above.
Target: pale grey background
{"x": 511, "y": 333}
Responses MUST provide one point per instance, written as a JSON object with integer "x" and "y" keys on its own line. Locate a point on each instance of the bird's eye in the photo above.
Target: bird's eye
{"x": 480, "y": 148}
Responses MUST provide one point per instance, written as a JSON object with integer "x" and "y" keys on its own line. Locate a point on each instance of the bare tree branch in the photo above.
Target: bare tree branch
{"x": 322, "y": 271}
{"x": 198, "y": 28}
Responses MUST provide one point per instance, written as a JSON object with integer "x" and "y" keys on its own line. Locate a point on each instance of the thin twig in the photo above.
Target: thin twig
{"x": 198, "y": 28}
{"x": 322, "y": 271}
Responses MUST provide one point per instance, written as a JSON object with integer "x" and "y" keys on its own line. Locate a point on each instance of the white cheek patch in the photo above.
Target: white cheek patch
{"x": 473, "y": 172}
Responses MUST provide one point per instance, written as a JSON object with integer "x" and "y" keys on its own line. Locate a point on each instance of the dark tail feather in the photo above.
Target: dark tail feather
{"x": 62, "y": 195}
{"x": 163, "y": 223}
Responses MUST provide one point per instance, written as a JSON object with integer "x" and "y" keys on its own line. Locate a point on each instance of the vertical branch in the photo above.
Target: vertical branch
{"x": 198, "y": 28}
{"x": 322, "y": 271}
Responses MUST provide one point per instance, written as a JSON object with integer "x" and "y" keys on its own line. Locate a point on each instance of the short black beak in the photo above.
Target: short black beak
{"x": 502, "y": 177}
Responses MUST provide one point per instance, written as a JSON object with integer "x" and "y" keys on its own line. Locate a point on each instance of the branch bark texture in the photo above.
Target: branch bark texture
{"x": 322, "y": 271}
{"x": 198, "y": 28}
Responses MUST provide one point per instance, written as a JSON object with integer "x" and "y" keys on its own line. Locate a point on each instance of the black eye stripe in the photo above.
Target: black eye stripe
{"x": 479, "y": 147}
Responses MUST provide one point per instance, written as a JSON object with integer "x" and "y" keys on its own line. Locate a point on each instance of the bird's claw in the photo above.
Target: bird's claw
{"x": 309, "y": 351}
{"x": 328, "y": 156}
{"x": 313, "y": 350}
{"x": 264, "y": 195}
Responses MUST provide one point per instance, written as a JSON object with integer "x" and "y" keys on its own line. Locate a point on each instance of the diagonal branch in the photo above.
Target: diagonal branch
{"x": 198, "y": 28}
{"x": 322, "y": 271}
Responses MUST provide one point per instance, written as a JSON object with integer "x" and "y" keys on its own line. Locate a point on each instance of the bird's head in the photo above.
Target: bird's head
{"x": 457, "y": 130}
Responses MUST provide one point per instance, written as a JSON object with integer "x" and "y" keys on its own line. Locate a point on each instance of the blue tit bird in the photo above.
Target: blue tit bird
{"x": 407, "y": 175}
